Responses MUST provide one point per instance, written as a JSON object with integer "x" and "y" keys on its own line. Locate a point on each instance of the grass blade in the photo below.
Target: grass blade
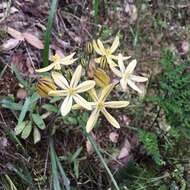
{"x": 95, "y": 146}
{"x": 24, "y": 110}
{"x": 66, "y": 180}
{"x": 12, "y": 185}
{"x": 19, "y": 77}
{"x": 56, "y": 164}
{"x": 48, "y": 32}
{"x": 9, "y": 104}
{"x": 24, "y": 174}
{"x": 96, "y": 9}
{"x": 55, "y": 175}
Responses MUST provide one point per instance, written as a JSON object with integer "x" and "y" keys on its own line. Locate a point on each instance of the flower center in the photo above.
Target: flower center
{"x": 100, "y": 105}
{"x": 126, "y": 76}
{"x": 71, "y": 91}
{"x": 108, "y": 51}
{"x": 56, "y": 58}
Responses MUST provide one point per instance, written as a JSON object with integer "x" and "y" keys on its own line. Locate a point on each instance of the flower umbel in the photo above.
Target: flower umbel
{"x": 72, "y": 90}
{"x": 57, "y": 62}
{"x": 106, "y": 52}
{"x": 99, "y": 105}
{"x": 126, "y": 74}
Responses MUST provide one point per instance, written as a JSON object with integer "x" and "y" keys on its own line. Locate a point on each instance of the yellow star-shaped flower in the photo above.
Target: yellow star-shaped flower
{"x": 106, "y": 52}
{"x": 99, "y": 105}
{"x": 72, "y": 90}
{"x": 57, "y": 62}
{"x": 127, "y": 78}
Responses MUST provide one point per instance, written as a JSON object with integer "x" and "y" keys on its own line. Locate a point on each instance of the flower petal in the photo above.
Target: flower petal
{"x": 85, "y": 86}
{"x": 98, "y": 60}
{"x": 130, "y": 68}
{"x": 133, "y": 86}
{"x": 67, "y": 62}
{"x": 57, "y": 93}
{"x": 92, "y": 120}
{"x": 101, "y": 47}
{"x": 111, "y": 62}
{"x": 96, "y": 48}
{"x": 120, "y": 63}
{"x": 45, "y": 69}
{"x": 106, "y": 91}
{"x": 123, "y": 83}
{"x": 60, "y": 80}
{"x": 116, "y": 104}
{"x": 82, "y": 102}
{"x": 138, "y": 78}
{"x": 76, "y": 76}
{"x": 115, "y": 44}
{"x": 126, "y": 57}
{"x": 110, "y": 118}
{"x": 69, "y": 57}
{"x": 115, "y": 57}
{"x": 93, "y": 94}
{"x": 116, "y": 71}
{"x": 66, "y": 105}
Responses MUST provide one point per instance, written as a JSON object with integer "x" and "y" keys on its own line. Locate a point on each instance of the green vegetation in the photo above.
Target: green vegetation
{"x": 49, "y": 141}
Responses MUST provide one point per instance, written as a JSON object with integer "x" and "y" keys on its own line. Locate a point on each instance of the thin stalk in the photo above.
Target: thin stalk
{"x": 89, "y": 137}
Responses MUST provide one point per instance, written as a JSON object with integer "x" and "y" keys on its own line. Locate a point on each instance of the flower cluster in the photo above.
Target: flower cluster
{"x": 72, "y": 90}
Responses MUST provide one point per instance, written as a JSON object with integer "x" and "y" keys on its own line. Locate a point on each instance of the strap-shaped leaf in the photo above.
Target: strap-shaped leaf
{"x": 36, "y": 135}
{"x": 27, "y": 130}
{"x": 38, "y": 121}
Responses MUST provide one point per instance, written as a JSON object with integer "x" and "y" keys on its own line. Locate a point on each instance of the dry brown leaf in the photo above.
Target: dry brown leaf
{"x": 33, "y": 40}
{"x": 10, "y": 44}
{"x": 125, "y": 150}
{"x": 89, "y": 147}
{"x": 92, "y": 66}
{"x": 15, "y": 34}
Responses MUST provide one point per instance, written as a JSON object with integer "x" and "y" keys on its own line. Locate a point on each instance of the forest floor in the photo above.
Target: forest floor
{"x": 150, "y": 150}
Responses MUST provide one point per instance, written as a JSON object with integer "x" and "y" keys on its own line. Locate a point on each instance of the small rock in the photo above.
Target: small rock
{"x": 184, "y": 47}
{"x": 3, "y": 142}
{"x": 113, "y": 136}
{"x": 21, "y": 93}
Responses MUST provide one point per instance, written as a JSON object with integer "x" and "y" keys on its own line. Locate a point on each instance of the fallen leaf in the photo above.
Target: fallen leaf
{"x": 19, "y": 59}
{"x": 15, "y": 34}
{"x": 125, "y": 150}
{"x": 33, "y": 40}
{"x": 91, "y": 67}
{"x": 10, "y": 44}
{"x": 89, "y": 147}
{"x": 131, "y": 10}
